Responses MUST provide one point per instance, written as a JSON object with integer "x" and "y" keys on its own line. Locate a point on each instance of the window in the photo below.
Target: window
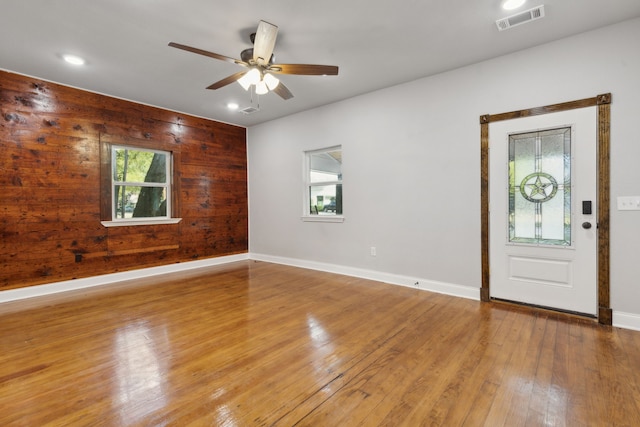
{"x": 140, "y": 183}
{"x": 137, "y": 184}
{"x": 540, "y": 187}
{"x": 323, "y": 192}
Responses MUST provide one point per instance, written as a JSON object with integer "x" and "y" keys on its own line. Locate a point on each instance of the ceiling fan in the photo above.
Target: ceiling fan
{"x": 259, "y": 65}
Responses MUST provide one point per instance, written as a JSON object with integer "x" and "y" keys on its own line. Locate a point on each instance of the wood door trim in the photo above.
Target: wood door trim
{"x": 602, "y": 103}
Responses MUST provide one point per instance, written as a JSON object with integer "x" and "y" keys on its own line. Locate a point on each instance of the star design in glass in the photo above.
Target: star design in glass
{"x": 538, "y": 188}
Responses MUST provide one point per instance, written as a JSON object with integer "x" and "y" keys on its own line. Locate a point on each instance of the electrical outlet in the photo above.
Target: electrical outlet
{"x": 629, "y": 203}
{"x": 373, "y": 251}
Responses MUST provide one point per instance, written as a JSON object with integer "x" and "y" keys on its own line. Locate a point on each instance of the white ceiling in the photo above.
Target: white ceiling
{"x": 376, "y": 44}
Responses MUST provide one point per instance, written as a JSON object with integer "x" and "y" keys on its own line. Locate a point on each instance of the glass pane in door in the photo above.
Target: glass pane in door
{"x": 540, "y": 187}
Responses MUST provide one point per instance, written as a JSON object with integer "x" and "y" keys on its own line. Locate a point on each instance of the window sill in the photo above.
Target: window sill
{"x": 323, "y": 218}
{"x": 146, "y": 221}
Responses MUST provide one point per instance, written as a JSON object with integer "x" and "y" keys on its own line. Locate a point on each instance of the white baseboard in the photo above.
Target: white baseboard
{"x": 88, "y": 282}
{"x": 626, "y": 320}
{"x": 620, "y": 319}
{"x": 394, "y": 279}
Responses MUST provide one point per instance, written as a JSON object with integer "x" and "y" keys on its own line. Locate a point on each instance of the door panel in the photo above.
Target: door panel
{"x": 541, "y": 170}
{"x": 550, "y": 272}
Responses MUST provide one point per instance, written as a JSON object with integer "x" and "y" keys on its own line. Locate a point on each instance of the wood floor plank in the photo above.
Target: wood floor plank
{"x": 537, "y": 408}
{"x": 558, "y": 398}
{"x": 523, "y": 368}
{"x": 486, "y": 358}
{"x": 502, "y": 370}
{"x": 398, "y": 359}
{"x": 577, "y": 409}
{"x": 625, "y": 388}
{"x": 432, "y": 400}
{"x": 258, "y": 344}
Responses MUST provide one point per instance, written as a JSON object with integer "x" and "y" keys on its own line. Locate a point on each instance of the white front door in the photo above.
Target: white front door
{"x": 543, "y": 237}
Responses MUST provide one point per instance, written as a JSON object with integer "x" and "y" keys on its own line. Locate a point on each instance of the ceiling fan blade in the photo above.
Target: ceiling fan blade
{"x": 304, "y": 69}
{"x": 264, "y": 42}
{"x": 207, "y": 53}
{"x": 227, "y": 80}
{"x": 282, "y": 91}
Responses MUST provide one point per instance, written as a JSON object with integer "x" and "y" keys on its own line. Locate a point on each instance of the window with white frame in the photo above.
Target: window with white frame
{"x": 140, "y": 183}
{"x": 323, "y": 174}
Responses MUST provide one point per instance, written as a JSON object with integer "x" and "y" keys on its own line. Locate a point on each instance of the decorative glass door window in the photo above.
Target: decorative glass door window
{"x": 540, "y": 187}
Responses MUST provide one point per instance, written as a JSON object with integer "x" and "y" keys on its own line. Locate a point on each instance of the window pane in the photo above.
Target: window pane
{"x": 325, "y": 199}
{"x": 139, "y": 166}
{"x": 325, "y": 166}
{"x": 140, "y": 202}
{"x": 540, "y": 187}
{"x": 324, "y": 182}
{"x": 323, "y": 176}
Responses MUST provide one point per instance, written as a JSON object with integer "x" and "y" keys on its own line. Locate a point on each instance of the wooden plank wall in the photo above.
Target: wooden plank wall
{"x": 50, "y": 185}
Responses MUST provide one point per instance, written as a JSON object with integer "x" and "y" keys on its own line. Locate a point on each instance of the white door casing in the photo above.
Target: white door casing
{"x": 561, "y": 277}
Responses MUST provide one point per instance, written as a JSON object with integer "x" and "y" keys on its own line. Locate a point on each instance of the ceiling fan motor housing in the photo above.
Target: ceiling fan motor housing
{"x": 247, "y": 56}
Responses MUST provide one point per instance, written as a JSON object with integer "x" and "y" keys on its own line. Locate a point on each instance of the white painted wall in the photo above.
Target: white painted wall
{"x": 412, "y": 163}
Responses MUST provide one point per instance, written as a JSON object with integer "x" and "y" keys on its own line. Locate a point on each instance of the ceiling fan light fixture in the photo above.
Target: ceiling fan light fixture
{"x": 271, "y": 81}
{"x": 251, "y": 78}
{"x": 254, "y": 76}
{"x": 244, "y": 83}
{"x": 261, "y": 88}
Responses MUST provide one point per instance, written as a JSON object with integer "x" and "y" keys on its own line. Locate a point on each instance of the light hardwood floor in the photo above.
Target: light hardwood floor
{"x": 253, "y": 344}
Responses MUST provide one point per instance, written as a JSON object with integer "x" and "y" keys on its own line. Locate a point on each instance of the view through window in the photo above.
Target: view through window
{"x": 324, "y": 181}
{"x": 140, "y": 183}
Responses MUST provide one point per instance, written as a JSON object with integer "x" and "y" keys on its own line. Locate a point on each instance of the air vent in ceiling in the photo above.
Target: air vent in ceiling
{"x": 250, "y": 110}
{"x": 520, "y": 18}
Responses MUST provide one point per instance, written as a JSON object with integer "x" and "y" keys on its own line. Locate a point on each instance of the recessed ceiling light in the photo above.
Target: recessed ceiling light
{"x": 72, "y": 59}
{"x": 232, "y": 106}
{"x": 512, "y": 4}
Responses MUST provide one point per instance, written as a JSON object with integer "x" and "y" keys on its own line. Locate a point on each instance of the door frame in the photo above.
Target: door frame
{"x": 603, "y": 112}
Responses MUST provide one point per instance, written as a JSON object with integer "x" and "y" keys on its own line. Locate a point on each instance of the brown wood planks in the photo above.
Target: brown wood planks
{"x": 52, "y": 201}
